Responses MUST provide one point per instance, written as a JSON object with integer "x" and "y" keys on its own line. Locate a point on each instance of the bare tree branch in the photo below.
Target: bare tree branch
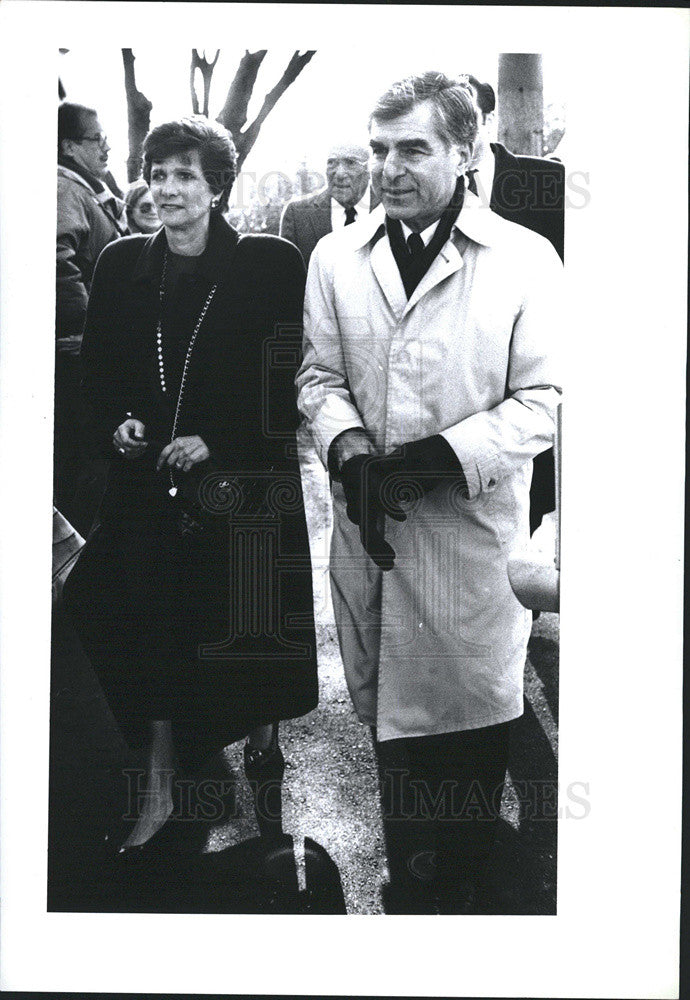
{"x": 234, "y": 113}
{"x": 192, "y": 89}
{"x": 250, "y": 134}
{"x": 206, "y": 69}
{"x": 138, "y": 117}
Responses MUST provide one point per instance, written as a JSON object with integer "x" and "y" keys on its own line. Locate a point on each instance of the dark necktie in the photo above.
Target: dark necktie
{"x": 472, "y": 181}
{"x": 350, "y": 214}
{"x": 415, "y": 244}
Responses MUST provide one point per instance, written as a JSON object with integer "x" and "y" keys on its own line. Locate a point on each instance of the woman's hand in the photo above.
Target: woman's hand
{"x": 128, "y": 439}
{"x": 183, "y": 453}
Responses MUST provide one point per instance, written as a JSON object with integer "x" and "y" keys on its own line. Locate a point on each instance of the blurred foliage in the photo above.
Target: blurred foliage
{"x": 258, "y": 206}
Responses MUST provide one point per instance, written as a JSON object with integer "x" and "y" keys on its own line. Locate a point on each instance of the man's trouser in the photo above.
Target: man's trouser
{"x": 441, "y": 800}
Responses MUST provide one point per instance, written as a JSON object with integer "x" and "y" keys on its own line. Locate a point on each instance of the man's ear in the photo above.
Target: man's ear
{"x": 465, "y": 155}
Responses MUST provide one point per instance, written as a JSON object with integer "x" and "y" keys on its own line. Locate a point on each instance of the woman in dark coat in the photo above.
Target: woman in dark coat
{"x": 193, "y": 597}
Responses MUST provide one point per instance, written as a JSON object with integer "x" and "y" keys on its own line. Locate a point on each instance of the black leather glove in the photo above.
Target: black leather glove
{"x": 374, "y": 486}
{"x": 362, "y": 478}
{"x": 425, "y": 464}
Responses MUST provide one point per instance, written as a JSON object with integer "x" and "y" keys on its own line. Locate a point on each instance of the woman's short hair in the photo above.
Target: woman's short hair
{"x": 217, "y": 152}
{"x": 135, "y": 192}
{"x": 454, "y": 106}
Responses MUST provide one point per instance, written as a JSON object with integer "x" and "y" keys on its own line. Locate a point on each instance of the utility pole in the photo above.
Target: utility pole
{"x": 521, "y": 103}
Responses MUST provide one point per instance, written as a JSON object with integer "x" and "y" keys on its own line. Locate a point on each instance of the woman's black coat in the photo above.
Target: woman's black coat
{"x": 199, "y": 607}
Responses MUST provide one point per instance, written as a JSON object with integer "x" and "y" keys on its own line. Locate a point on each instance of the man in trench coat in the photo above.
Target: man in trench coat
{"x": 428, "y": 388}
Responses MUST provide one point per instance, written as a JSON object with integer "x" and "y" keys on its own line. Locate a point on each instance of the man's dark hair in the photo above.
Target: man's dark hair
{"x": 72, "y": 121}
{"x": 485, "y": 94}
{"x": 455, "y": 111}
{"x": 216, "y": 151}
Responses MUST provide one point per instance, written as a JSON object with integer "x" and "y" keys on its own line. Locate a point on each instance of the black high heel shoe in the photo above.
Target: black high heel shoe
{"x": 264, "y": 770}
{"x": 182, "y": 835}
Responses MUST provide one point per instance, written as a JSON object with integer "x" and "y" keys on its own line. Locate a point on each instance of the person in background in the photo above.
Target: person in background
{"x": 89, "y": 216}
{"x": 180, "y": 594}
{"x": 141, "y": 211}
{"x": 529, "y": 190}
{"x": 428, "y": 385}
{"x": 345, "y": 198}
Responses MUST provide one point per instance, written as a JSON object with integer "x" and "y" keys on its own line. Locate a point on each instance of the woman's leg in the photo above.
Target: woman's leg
{"x": 155, "y": 802}
{"x": 262, "y": 737}
{"x": 264, "y": 766}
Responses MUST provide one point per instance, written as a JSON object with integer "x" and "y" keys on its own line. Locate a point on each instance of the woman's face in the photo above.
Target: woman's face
{"x": 144, "y": 214}
{"x": 180, "y": 192}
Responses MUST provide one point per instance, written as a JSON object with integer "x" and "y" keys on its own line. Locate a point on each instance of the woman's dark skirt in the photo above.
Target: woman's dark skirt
{"x": 212, "y": 628}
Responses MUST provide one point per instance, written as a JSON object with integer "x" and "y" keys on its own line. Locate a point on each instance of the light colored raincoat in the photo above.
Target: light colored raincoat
{"x": 438, "y": 643}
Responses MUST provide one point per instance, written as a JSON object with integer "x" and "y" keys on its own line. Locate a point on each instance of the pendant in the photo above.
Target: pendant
{"x": 173, "y": 491}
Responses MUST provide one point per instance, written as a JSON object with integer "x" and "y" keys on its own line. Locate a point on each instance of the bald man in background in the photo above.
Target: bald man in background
{"x": 345, "y": 198}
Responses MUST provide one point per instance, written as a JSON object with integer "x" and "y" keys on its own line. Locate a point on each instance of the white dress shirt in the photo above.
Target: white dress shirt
{"x": 426, "y": 234}
{"x": 338, "y": 212}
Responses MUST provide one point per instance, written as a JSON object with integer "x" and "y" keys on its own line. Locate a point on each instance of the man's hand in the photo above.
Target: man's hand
{"x": 362, "y": 477}
{"x": 183, "y": 453}
{"x": 374, "y": 485}
{"x": 128, "y": 439}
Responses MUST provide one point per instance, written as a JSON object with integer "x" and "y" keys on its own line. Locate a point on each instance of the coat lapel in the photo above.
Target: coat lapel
{"x": 320, "y": 216}
{"x": 447, "y": 262}
{"x": 215, "y": 264}
{"x": 388, "y": 276}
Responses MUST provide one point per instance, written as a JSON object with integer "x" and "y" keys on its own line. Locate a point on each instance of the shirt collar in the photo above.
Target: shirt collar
{"x": 426, "y": 234}
{"x": 475, "y": 220}
{"x": 361, "y": 208}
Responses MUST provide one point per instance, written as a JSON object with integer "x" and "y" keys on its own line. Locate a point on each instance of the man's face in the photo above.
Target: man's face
{"x": 412, "y": 169}
{"x": 91, "y": 151}
{"x": 347, "y": 173}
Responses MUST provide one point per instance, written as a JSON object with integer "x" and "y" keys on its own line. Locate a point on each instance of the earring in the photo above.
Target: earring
{"x": 215, "y": 202}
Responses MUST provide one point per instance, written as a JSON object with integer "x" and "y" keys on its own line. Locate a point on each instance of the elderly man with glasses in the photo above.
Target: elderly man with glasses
{"x": 89, "y": 216}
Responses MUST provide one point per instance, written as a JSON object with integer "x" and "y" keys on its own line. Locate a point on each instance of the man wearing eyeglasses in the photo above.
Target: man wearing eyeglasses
{"x": 89, "y": 216}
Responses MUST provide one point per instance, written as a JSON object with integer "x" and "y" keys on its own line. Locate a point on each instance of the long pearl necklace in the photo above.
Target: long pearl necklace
{"x": 161, "y": 366}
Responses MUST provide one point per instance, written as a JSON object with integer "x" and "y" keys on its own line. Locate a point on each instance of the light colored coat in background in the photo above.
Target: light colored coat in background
{"x": 438, "y": 643}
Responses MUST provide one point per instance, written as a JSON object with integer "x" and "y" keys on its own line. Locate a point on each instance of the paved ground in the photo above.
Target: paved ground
{"x": 330, "y": 790}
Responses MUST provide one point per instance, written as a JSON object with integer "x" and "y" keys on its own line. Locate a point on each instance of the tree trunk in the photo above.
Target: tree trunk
{"x": 521, "y": 103}
{"x": 206, "y": 68}
{"x": 138, "y": 117}
{"x": 234, "y": 113}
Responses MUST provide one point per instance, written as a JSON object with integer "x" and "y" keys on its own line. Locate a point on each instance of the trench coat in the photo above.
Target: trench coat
{"x": 437, "y": 644}
{"x": 212, "y": 628}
